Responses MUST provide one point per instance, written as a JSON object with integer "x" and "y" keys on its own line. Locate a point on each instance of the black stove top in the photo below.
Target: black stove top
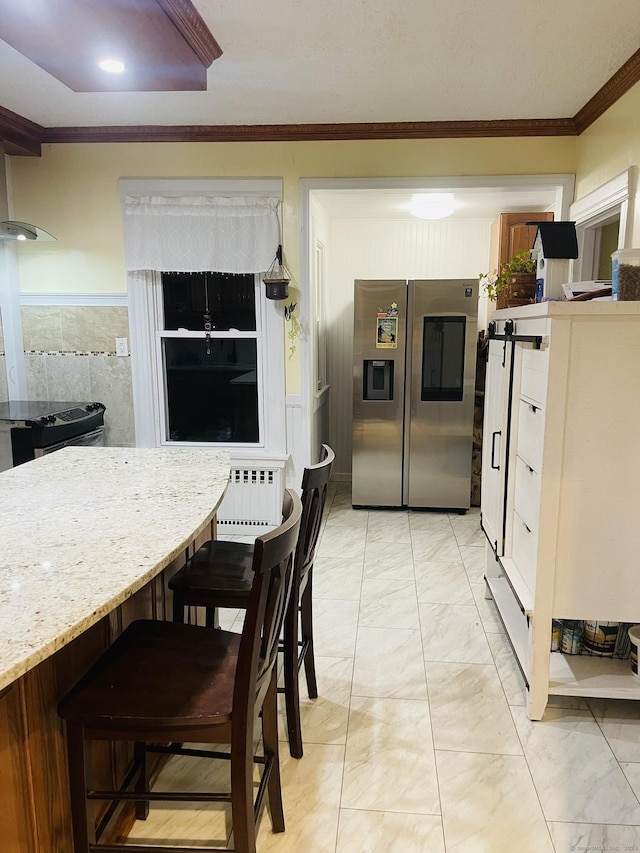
{"x": 43, "y": 424}
{"x": 31, "y": 410}
{"x": 54, "y": 419}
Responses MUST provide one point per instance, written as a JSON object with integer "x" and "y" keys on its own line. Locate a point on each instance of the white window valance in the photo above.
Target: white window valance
{"x": 237, "y": 234}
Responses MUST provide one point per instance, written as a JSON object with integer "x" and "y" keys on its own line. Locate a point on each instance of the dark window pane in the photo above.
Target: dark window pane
{"x": 212, "y": 397}
{"x": 229, "y": 300}
{"x": 443, "y": 358}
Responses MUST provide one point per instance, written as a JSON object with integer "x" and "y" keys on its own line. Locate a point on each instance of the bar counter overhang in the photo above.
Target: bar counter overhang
{"x": 88, "y": 540}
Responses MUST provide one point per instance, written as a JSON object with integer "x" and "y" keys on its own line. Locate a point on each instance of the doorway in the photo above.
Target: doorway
{"x": 369, "y": 232}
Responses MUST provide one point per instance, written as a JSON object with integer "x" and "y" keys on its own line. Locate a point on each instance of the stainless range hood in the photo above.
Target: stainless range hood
{"x": 11, "y": 230}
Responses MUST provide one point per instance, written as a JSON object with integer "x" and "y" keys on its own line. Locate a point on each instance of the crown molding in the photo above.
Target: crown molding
{"x": 19, "y": 135}
{"x": 312, "y": 132}
{"x": 615, "y": 87}
{"x": 186, "y": 18}
{"x": 24, "y": 137}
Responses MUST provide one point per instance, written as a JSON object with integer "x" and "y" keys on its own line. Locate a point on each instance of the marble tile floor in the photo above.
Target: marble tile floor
{"x": 419, "y": 741}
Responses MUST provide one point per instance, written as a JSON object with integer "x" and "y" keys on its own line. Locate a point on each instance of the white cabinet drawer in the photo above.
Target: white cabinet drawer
{"x": 527, "y": 494}
{"x": 524, "y": 551}
{"x": 533, "y": 383}
{"x": 530, "y": 434}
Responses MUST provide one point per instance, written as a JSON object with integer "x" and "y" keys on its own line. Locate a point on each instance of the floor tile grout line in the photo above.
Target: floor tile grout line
{"x": 351, "y": 695}
{"x": 426, "y": 681}
{"x": 515, "y": 727}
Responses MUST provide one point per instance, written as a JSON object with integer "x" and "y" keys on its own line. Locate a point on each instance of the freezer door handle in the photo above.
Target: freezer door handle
{"x": 493, "y": 449}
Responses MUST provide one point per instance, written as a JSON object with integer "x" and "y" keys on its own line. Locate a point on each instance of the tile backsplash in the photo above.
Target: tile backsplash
{"x": 70, "y": 356}
{"x": 70, "y": 328}
{"x": 85, "y": 378}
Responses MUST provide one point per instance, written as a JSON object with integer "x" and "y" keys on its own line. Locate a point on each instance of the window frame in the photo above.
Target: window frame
{"x": 261, "y": 353}
{"x": 591, "y": 212}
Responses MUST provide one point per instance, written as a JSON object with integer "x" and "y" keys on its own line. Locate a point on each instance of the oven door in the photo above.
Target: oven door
{"x": 95, "y": 438}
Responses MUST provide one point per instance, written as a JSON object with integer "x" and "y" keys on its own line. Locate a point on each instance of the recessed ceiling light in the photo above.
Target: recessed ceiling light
{"x": 432, "y": 205}
{"x": 111, "y": 66}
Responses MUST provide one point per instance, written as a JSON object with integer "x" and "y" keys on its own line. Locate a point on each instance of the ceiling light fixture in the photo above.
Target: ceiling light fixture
{"x": 111, "y": 66}
{"x": 432, "y": 205}
{"x": 23, "y": 231}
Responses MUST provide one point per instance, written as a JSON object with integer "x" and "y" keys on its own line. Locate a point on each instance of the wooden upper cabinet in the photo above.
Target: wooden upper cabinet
{"x": 510, "y": 233}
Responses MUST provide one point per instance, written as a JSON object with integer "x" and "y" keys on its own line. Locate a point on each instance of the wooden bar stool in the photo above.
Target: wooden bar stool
{"x": 170, "y": 683}
{"x": 218, "y": 575}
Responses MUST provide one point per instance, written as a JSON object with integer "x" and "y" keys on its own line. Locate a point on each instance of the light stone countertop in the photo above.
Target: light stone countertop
{"x": 83, "y": 528}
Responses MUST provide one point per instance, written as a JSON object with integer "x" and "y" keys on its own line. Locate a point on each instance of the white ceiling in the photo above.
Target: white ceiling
{"x": 316, "y": 61}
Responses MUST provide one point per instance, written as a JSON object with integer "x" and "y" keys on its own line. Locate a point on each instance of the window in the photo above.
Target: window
{"x": 603, "y": 223}
{"x": 234, "y": 394}
{"x": 606, "y": 244}
{"x": 210, "y": 357}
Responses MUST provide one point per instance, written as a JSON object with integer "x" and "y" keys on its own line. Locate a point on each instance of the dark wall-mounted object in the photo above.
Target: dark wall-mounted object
{"x": 277, "y": 278}
{"x": 556, "y": 239}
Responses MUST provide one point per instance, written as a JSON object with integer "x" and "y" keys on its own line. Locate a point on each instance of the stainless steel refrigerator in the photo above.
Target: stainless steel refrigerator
{"x": 413, "y": 392}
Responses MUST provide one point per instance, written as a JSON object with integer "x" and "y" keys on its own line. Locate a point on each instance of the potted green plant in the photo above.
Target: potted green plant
{"x": 516, "y": 283}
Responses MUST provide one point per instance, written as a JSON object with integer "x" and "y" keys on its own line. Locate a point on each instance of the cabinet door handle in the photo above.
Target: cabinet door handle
{"x": 493, "y": 449}
{"x": 534, "y": 409}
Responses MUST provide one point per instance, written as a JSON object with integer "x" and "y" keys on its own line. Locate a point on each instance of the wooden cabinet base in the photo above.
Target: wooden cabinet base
{"x": 34, "y": 800}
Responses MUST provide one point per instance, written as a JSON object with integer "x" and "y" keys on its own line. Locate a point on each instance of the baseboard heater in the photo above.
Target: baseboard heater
{"x": 253, "y": 500}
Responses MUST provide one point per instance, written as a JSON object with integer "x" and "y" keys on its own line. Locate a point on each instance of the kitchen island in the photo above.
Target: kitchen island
{"x": 88, "y": 540}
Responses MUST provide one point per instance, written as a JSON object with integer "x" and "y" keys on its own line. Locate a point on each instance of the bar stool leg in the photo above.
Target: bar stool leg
{"x": 212, "y": 619}
{"x": 242, "y": 816}
{"x": 83, "y": 826}
{"x": 291, "y": 680}
{"x": 306, "y": 625}
{"x": 270, "y": 743}
{"x": 178, "y": 607}
{"x": 142, "y": 782}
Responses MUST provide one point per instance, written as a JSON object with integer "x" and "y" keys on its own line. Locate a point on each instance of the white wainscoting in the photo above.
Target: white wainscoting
{"x": 296, "y": 441}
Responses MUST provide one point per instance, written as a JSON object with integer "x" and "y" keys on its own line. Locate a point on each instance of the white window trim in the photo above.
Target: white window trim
{"x": 145, "y": 320}
{"x": 258, "y": 335}
{"x": 145, "y": 325}
{"x": 595, "y": 209}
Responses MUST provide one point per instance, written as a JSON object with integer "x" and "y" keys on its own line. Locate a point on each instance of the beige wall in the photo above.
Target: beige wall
{"x": 609, "y": 147}
{"x": 72, "y": 190}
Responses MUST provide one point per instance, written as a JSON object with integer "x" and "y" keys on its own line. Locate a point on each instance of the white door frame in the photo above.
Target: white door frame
{"x": 564, "y": 185}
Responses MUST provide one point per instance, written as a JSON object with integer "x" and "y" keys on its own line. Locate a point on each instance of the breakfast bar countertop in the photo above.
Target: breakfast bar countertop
{"x": 82, "y": 529}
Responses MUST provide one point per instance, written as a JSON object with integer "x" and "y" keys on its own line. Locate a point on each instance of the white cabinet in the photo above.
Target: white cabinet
{"x": 560, "y": 502}
{"x": 494, "y": 442}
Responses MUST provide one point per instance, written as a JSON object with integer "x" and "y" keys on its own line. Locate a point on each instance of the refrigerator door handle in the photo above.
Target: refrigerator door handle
{"x": 493, "y": 449}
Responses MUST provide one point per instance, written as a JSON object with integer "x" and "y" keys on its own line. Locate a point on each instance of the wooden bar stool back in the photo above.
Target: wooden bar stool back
{"x": 171, "y": 683}
{"x": 218, "y": 575}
